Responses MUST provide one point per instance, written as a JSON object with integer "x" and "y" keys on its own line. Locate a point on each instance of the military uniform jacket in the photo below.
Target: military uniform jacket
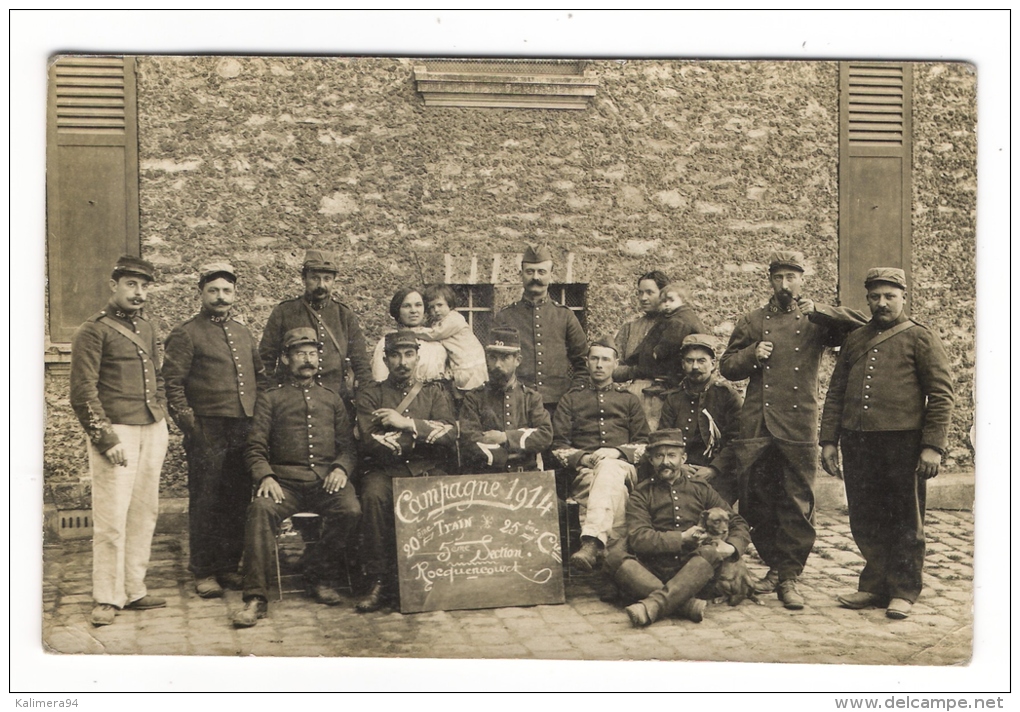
{"x": 112, "y": 379}
{"x": 782, "y": 395}
{"x": 589, "y": 418}
{"x": 340, "y": 319}
{"x": 407, "y": 454}
{"x": 300, "y": 431}
{"x": 553, "y": 346}
{"x": 710, "y": 420}
{"x": 659, "y": 512}
{"x": 518, "y": 412}
{"x": 902, "y": 383}
{"x": 212, "y": 368}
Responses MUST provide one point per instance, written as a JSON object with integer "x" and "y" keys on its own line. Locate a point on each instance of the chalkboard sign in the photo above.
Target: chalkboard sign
{"x": 477, "y": 541}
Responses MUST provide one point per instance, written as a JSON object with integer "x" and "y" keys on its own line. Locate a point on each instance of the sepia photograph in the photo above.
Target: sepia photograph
{"x": 427, "y": 357}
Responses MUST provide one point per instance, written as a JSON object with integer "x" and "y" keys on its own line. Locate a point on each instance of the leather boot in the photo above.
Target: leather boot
{"x": 643, "y": 612}
{"x": 586, "y": 558}
{"x": 680, "y": 589}
{"x": 254, "y": 608}
{"x": 376, "y": 598}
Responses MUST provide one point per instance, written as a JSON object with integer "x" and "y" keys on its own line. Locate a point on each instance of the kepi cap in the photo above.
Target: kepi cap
{"x": 533, "y": 255}
{"x": 698, "y": 341}
{"x": 400, "y": 339}
{"x": 299, "y": 336}
{"x": 504, "y": 340}
{"x": 666, "y": 437}
{"x": 786, "y": 258}
{"x": 129, "y": 264}
{"x": 206, "y": 271}
{"x": 892, "y": 275}
{"x": 320, "y": 260}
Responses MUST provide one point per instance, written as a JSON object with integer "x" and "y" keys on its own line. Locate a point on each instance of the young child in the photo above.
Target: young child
{"x": 465, "y": 354}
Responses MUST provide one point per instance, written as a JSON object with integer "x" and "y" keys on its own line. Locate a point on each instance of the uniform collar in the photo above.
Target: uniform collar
{"x": 316, "y": 305}
{"x": 406, "y": 385}
{"x": 702, "y": 389}
{"x": 214, "y": 318}
{"x": 301, "y": 383}
{"x": 776, "y": 308}
{"x": 511, "y": 384}
{"x": 599, "y": 389}
{"x": 879, "y": 328}
{"x": 113, "y": 310}
{"x": 535, "y": 302}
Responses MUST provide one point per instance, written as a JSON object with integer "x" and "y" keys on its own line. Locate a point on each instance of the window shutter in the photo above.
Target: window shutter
{"x": 91, "y": 183}
{"x": 874, "y": 173}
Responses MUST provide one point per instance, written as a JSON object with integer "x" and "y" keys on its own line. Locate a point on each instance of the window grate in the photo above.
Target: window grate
{"x": 475, "y": 302}
{"x": 875, "y": 109}
{"x": 573, "y": 296}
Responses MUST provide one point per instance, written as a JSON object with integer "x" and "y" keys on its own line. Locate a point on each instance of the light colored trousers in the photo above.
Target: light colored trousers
{"x": 125, "y": 504}
{"x": 602, "y": 494}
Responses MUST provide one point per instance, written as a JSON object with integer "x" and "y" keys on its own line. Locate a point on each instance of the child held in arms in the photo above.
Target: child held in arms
{"x": 465, "y": 354}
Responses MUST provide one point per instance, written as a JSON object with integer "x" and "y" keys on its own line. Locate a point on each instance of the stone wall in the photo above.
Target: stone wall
{"x": 696, "y": 168}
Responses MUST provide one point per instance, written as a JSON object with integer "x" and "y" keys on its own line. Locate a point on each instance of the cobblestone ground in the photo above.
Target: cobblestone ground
{"x": 938, "y": 632}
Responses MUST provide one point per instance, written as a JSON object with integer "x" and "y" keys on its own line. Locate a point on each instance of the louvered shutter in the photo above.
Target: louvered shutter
{"x": 91, "y": 183}
{"x": 874, "y": 173}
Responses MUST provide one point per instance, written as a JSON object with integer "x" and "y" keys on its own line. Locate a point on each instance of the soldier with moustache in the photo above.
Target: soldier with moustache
{"x": 118, "y": 396}
{"x": 301, "y": 455}
{"x": 344, "y": 349}
{"x": 706, "y": 408}
{"x": 212, "y": 372}
{"x": 504, "y": 425}
{"x": 779, "y": 347}
{"x": 889, "y": 406}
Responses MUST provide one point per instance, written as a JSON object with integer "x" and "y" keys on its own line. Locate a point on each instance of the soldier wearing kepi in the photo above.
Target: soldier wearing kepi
{"x": 888, "y": 406}
{"x": 407, "y": 430}
{"x": 212, "y": 369}
{"x": 553, "y": 344}
{"x": 301, "y": 455}
{"x": 504, "y": 425}
{"x": 335, "y": 324}
{"x": 706, "y": 409}
{"x": 778, "y": 347}
{"x": 117, "y": 393}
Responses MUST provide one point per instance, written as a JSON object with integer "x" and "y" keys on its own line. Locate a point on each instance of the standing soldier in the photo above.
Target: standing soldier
{"x": 779, "y": 348}
{"x": 334, "y": 322}
{"x": 553, "y": 344}
{"x": 117, "y": 394}
{"x": 889, "y": 405}
{"x": 211, "y": 370}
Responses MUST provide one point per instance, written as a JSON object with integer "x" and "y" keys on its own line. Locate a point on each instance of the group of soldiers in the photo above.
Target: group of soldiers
{"x": 646, "y": 431}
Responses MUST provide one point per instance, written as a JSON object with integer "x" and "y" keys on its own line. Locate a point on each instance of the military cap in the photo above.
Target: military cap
{"x": 504, "y": 340}
{"x": 892, "y": 275}
{"x": 299, "y": 336}
{"x": 400, "y": 339}
{"x": 320, "y": 260}
{"x": 210, "y": 269}
{"x": 786, "y": 258}
{"x": 698, "y": 341}
{"x": 668, "y": 436}
{"x": 534, "y": 255}
{"x": 607, "y": 342}
{"x": 129, "y": 264}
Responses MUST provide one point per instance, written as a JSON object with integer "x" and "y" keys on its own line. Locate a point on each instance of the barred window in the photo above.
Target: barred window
{"x": 573, "y": 296}
{"x": 475, "y": 302}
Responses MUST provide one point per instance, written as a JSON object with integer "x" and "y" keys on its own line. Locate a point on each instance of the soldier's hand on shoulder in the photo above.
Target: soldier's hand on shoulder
{"x": 270, "y": 487}
{"x": 704, "y": 474}
{"x": 117, "y": 455}
{"x": 928, "y": 463}
{"x": 830, "y": 460}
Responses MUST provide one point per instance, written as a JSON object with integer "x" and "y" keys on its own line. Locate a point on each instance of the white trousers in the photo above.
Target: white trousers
{"x": 125, "y": 504}
{"x": 602, "y": 494}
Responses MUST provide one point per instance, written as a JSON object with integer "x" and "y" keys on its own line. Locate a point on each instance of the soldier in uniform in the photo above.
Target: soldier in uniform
{"x": 301, "y": 455}
{"x": 706, "y": 408}
{"x": 665, "y": 559}
{"x": 334, "y": 322}
{"x": 117, "y": 393}
{"x": 504, "y": 425}
{"x": 553, "y": 344}
{"x": 212, "y": 369}
{"x": 888, "y": 406}
{"x": 599, "y": 434}
{"x": 407, "y": 430}
{"x": 778, "y": 347}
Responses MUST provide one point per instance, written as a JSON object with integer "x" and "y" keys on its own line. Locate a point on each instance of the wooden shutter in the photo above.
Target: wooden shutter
{"x": 874, "y": 173}
{"x": 91, "y": 183}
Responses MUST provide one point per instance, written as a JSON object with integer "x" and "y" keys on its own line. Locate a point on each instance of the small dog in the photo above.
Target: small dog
{"x": 733, "y": 582}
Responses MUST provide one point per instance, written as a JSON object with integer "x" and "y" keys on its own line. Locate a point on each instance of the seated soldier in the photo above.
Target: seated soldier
{"x": 301, "y": 453}
{"x": 599, "y": 432}
{"x": 706, "y": 408}
{"x": 666, "y": 558}
{"x": 503, "y": 424}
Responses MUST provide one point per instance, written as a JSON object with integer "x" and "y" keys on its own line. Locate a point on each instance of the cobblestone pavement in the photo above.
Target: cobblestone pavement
{"x": 938, "y": 632}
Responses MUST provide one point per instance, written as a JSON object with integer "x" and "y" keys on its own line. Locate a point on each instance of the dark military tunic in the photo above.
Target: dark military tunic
{"x": 113, "y": 380}
{"x": 517, "y": 411}
{"x": 589, "y": 418}
{"x": 341, "y": 320}
{"x": 300, "y": 432}
{"x": 553, "y": 346}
